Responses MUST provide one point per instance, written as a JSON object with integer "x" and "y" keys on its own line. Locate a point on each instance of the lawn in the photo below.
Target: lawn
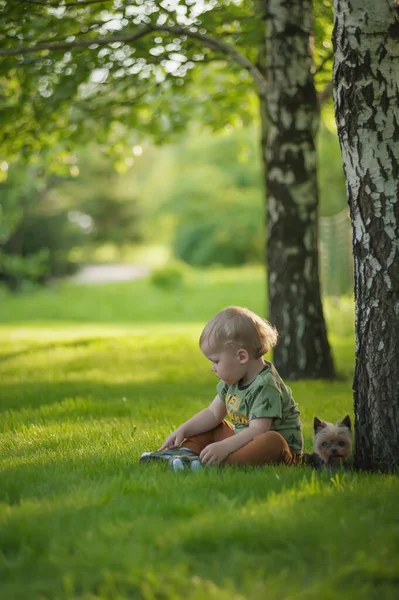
{"x": 90, "y": 377}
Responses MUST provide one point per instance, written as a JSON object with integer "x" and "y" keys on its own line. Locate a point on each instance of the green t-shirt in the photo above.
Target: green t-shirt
{"x": 266, "y": 396}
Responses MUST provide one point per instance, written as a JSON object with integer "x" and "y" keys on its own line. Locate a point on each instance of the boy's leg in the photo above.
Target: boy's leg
{"x": 266, "y": 448}
{"x": 202, "y": 440}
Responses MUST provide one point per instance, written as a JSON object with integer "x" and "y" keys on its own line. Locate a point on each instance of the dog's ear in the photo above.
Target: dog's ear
{"x": 318, "y": 425}
{"x": 346, "y": 422}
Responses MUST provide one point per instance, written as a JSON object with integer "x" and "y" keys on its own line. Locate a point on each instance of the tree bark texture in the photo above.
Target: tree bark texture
{"x": 366, "y": 97}
{"x": 290, "y": 120}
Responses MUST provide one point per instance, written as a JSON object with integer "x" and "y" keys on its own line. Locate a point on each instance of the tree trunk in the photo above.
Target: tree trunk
{"x": 366, "y": 97}
{"x": 290, "y": 116}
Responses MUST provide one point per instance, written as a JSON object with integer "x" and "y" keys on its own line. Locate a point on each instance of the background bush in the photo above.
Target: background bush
{"x": 169, "y": 278}
{"x": 38, "y": 236}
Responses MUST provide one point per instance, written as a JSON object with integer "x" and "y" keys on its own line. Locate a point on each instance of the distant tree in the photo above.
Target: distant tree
{"x": 366, "y": 92}
{"x": 73, "y": 64}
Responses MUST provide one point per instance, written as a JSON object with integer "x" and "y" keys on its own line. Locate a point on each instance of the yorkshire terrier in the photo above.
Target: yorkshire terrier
{"x": 332, "y": 444}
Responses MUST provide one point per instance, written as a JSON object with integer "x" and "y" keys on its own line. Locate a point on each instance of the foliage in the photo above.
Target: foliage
{"x": 17, "y": 270}
{"x": 323, "y": 18}
{"x": 217, "y": 200}
{"x": 46, "y": 216}
{"x": 15, "y": 191}
{"x": 330, "y": 173}
{"x": 235, "y": 239}
{"x": 150, "y": 68}
{"x": 125, "y": 86}
{"x": 212, "y": 189}
{"x": 101, "y": 198}
{"x": 37, "y": 234}
{"x": 203, "y": 195}
{"x": 169, "y": 278}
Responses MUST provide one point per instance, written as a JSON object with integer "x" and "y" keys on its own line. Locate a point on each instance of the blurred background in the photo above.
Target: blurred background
{"x": 158, "y": 209}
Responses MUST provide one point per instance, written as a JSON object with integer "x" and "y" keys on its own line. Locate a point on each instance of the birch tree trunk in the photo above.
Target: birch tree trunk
{"x": 366, "y": 97}
{"x": 290, "y": 120}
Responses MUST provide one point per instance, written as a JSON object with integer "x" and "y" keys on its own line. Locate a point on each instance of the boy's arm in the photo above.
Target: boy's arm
{"x": 203, "y": 421}
{"x": 217, "y": 452}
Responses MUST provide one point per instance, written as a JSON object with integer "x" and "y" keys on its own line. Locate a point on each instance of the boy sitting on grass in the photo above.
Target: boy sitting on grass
{"x": 265, "y": 426}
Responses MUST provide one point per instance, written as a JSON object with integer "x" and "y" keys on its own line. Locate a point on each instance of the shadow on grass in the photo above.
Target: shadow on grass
{"x": 80, "y": 343}
{"x": 102, "y": 400}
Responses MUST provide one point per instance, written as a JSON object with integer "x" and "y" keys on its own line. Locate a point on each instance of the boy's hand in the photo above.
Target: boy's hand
{"x": 173, "y": 440}
{"x": 213, "y": 454}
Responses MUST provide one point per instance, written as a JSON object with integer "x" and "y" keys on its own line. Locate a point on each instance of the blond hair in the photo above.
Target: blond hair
{"x": 239, "y": 328}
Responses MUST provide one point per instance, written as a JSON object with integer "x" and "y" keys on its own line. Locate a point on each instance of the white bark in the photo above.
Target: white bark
{"x": 292, "y": 196}
{"x": 366, "y": 96}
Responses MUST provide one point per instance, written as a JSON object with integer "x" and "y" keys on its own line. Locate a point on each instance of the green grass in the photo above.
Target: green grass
{"x": 93, "y": 376}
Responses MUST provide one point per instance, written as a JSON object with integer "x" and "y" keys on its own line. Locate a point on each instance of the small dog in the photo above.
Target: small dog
{"x": 332, "y": 444}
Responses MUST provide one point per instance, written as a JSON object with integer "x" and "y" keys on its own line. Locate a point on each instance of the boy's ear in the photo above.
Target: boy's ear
{"x": 318, "y": 425}
{"x": 242, "y": 355}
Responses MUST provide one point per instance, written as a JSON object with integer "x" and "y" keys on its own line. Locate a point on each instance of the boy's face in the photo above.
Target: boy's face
{"x": 227, "y": 363}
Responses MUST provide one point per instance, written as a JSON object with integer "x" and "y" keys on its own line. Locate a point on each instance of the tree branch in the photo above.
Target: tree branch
{"x": 92, "y": 27}
{"x": 206, "y": 40}
{"x": 215, "y": 44}
{"x": 66, "y": 5}
{"x": 75, "y": 44}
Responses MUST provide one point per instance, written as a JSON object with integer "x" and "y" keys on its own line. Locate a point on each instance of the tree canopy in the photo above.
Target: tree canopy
{"x": 104, "y": 69}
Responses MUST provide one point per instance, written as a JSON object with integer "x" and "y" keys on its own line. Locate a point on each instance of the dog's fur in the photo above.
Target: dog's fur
{"x": 332, "y": 444}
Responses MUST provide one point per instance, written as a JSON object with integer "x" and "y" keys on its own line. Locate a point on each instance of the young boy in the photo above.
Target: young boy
{"x": 265, "y": 426}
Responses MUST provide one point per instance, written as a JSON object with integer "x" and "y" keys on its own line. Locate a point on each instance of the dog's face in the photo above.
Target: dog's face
{"x": 333, "y": 442}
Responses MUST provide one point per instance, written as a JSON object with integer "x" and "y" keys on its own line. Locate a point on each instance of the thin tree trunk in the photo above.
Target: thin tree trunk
{"x": 366, "y": 96}
{"x": 289, "y": 120}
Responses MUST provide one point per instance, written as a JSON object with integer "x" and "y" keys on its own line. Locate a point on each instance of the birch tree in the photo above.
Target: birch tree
{"x": 366, "y": 96}
{"x": 290, "y": 125}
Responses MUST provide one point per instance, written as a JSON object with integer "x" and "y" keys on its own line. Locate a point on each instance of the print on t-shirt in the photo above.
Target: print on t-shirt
{"x": 233, "y": 404}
